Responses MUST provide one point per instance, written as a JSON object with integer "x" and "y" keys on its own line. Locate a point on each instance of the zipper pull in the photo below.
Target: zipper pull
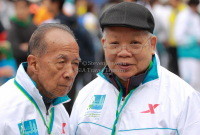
{"x": 47, "y": 113}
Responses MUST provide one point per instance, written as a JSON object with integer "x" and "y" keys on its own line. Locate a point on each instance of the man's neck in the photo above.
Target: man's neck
{"x": 124, "y": 82}
{"x": 47, "y": 101}
{"x": 39, "y": 86}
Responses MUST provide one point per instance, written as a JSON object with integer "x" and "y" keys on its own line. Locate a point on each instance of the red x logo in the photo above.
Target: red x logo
{"x": 151, "y": 109}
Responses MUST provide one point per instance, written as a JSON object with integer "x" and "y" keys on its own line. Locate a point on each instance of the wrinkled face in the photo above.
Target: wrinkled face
{"x": 58, "y": 66}
{"x": 125, "y": 64}
{"x": 22, "y": 10}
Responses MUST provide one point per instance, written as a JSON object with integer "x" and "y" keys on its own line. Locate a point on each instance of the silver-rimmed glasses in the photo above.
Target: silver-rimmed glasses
{"x": 135, "y": 48}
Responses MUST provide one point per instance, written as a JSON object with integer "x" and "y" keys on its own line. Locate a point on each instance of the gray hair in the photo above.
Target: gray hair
{"x": 37, "y": 45}
{"x": 105, "y": 32}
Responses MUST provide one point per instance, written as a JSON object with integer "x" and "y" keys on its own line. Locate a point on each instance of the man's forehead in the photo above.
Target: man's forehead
{"x": 114, "y": 31}
{"x": 63, "y": 49}
{"x": 56, "y": 37}
{"x": 55, "y": 34}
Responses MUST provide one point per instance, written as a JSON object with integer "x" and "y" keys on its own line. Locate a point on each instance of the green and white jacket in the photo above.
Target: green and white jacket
{"x": 23, "y": 112}
{"x": 163, "y": 104}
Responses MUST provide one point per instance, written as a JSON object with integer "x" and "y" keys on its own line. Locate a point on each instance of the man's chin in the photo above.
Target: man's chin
{"x": 66, "y": 92}
{"x": 63, "y": 94}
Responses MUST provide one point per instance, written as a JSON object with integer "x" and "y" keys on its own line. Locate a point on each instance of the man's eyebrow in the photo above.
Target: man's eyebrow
{"x": 78, "y": 58}
{"x": 61, "y": 56}
{"x": 65, "y": 57}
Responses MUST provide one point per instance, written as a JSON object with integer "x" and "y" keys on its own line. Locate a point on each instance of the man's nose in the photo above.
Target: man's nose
{"x": 69, "y": 72}
{"x": 124, "y": 52}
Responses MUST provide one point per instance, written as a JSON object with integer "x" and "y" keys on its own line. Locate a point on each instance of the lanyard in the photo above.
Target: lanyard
{"x": 50, "y": 125}
{"x": 119, "y": 110}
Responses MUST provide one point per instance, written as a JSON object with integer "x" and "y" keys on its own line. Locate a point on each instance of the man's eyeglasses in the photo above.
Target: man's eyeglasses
{"x": 132, "y": 48}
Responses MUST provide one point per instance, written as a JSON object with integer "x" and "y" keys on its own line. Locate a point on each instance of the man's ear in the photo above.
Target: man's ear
{"x": 153, "y": 44}
{"x": 103, "y": 41}
{"x": 33, "y": 63}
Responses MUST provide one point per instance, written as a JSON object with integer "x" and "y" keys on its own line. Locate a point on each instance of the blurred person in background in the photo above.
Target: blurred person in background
{"x": 21, "y": 31}
{"x": 7, "y": 10}
{"x": 187, "y": 35}
{"x": 33, "y": 7}
{"x": 88, "y": 17}
{"x": 177, "y": 6}
{"x": 42, "y": 13}
{"x": 84, "y": 41}
{"x": 7, "y": 62}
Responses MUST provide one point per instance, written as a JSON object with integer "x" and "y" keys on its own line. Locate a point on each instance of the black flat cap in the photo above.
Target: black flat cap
{"x": 128, "y": 14}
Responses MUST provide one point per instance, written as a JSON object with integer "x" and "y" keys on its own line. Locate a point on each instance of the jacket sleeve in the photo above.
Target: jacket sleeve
{"x": 2, "y": 124}
{"x": 189, "y": 122}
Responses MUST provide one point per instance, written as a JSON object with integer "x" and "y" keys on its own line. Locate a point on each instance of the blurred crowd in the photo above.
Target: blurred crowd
{"x": 177, "y": 29}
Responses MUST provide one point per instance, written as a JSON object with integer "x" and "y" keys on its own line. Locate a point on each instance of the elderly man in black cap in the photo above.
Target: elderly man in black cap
{"x": 133, "y": 94}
